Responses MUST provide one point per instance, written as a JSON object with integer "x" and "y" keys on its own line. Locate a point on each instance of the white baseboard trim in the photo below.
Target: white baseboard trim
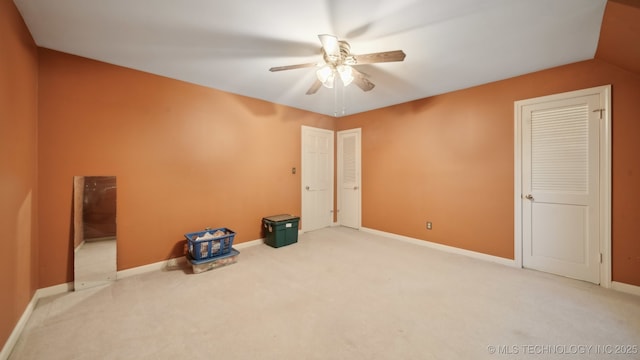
{"x": 446, "y": 248}
{"x": 174, "y": 262}
{"x": 53, "y": 290}
{"x": 251, "y": 243}
{"x": 17, "y": 330}
{"x": 138, "y": 270}
{"x": 626, "y": 288}
{"x": 618, "y": 286}
{"x": 26, "y": 315}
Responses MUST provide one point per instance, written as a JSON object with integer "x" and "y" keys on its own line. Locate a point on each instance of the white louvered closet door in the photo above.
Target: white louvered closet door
{"x": 349, "y": 194}
{"x": 560, "y": 150}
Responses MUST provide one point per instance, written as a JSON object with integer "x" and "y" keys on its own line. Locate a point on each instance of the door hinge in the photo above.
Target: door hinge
{"x": 599, "y": 111}
{"x": 600, "y": 258}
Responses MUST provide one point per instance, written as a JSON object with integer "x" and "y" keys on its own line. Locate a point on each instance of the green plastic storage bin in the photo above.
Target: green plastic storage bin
{"x": 280, "y": 230}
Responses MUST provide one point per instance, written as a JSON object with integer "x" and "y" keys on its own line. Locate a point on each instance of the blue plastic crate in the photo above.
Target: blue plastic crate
{"x": 205, "y": 249}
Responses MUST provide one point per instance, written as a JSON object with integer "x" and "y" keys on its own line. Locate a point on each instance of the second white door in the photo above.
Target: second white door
{"x": 349, "y": 184}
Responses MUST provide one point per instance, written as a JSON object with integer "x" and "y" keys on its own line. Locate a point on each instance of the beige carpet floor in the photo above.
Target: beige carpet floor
{"x": 338, "y": 294}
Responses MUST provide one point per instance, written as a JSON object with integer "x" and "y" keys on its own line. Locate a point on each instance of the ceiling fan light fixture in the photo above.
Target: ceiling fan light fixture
{"x": 338, "y": 61}
{"x": 326, "y": 75}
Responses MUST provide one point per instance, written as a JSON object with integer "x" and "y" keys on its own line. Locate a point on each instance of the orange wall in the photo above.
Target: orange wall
{"x": 186, "y": 157}
{"x": 619, "y": 41}
{"x": 18, "y": 167}
{"x": 450, "y": 159}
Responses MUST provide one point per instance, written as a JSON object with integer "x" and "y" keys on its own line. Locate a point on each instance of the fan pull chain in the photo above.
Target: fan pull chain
{"x": 339, "y": 99}
{"x": 335, "y": 98}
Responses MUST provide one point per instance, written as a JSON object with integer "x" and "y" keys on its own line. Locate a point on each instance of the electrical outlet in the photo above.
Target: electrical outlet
{"x": 429, "y": 225}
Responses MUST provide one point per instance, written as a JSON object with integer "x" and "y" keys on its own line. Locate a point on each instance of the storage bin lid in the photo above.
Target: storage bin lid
{"x": 281, "y": 217}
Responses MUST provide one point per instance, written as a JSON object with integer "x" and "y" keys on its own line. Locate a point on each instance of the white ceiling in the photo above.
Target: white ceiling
{"x": 230, "y": 44}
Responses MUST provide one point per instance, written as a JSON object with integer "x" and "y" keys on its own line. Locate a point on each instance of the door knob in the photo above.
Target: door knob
{"x": 528, "y": 197}
{"x": 355, "y": 188}
{"x": 307, "y": 187}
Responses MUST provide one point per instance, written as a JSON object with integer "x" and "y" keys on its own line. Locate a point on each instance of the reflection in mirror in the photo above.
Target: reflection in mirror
{"x": 94, "y": 210}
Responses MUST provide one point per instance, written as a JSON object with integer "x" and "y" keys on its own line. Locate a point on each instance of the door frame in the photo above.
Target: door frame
{"x": 604, "y": 174}
{"x": 303, "y": 129}
{"x": 340, "y": 159}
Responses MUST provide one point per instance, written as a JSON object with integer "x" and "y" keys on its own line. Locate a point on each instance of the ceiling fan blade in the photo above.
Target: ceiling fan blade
{"x": 361, "y": 80}
{"x": 291, "y": 67}
{"x": 314, "y": 88}
{"x": 386, "y": 56}
{"x": 330, "y": 45}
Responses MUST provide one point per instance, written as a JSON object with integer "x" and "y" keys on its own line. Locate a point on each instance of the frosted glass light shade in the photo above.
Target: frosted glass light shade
{"x": 326, "y": 76}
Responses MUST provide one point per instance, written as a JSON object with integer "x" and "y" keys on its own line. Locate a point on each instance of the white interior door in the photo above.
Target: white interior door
{"x": 349, "y": 184}
{"x": 560, "y": 186}
{"x": 317, "y": 178}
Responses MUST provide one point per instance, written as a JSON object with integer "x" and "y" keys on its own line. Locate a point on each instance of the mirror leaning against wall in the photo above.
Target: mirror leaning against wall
{"x": 94, "y": 224}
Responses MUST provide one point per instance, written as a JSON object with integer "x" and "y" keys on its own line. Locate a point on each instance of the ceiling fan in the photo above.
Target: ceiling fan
{"x": 339, "y": 62}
